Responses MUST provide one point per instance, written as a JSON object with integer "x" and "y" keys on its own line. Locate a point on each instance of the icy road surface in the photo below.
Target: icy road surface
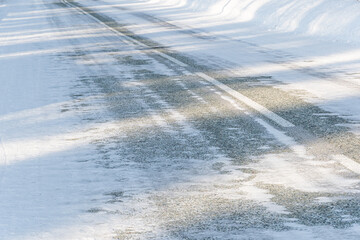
{"x": 115, "y": 124}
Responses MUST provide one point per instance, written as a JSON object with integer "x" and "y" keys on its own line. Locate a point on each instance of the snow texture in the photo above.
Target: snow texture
{"x": 55, "y": 122}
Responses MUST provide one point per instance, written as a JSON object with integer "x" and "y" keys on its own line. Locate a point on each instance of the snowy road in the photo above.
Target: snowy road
{"x": 117, "y": 124}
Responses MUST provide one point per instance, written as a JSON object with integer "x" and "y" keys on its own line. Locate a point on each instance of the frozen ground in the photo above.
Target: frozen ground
{"x": 179, "y": 119}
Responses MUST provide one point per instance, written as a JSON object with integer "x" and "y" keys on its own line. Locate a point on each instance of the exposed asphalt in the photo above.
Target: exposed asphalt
{"x": 194, "y": 162}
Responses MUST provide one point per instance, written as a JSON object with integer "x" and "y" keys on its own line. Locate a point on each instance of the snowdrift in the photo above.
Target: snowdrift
{"x": 333, "y": 19}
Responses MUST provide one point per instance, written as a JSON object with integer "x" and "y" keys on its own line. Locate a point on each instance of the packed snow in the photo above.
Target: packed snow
{"x": 311, "y": 47}
{"x": 56, "y": 119}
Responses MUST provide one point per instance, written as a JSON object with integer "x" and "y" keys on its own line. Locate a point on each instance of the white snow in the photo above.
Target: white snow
{"x": 312, "y": 48}
{"x": 308, "y": 46}
{"x": 331, "y": 19}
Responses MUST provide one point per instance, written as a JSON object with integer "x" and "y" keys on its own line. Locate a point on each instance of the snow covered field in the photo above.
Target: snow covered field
{"x": 122, "y": 119}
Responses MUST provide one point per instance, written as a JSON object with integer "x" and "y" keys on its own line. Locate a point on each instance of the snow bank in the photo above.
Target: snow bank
{"x": 333, "y": 19}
